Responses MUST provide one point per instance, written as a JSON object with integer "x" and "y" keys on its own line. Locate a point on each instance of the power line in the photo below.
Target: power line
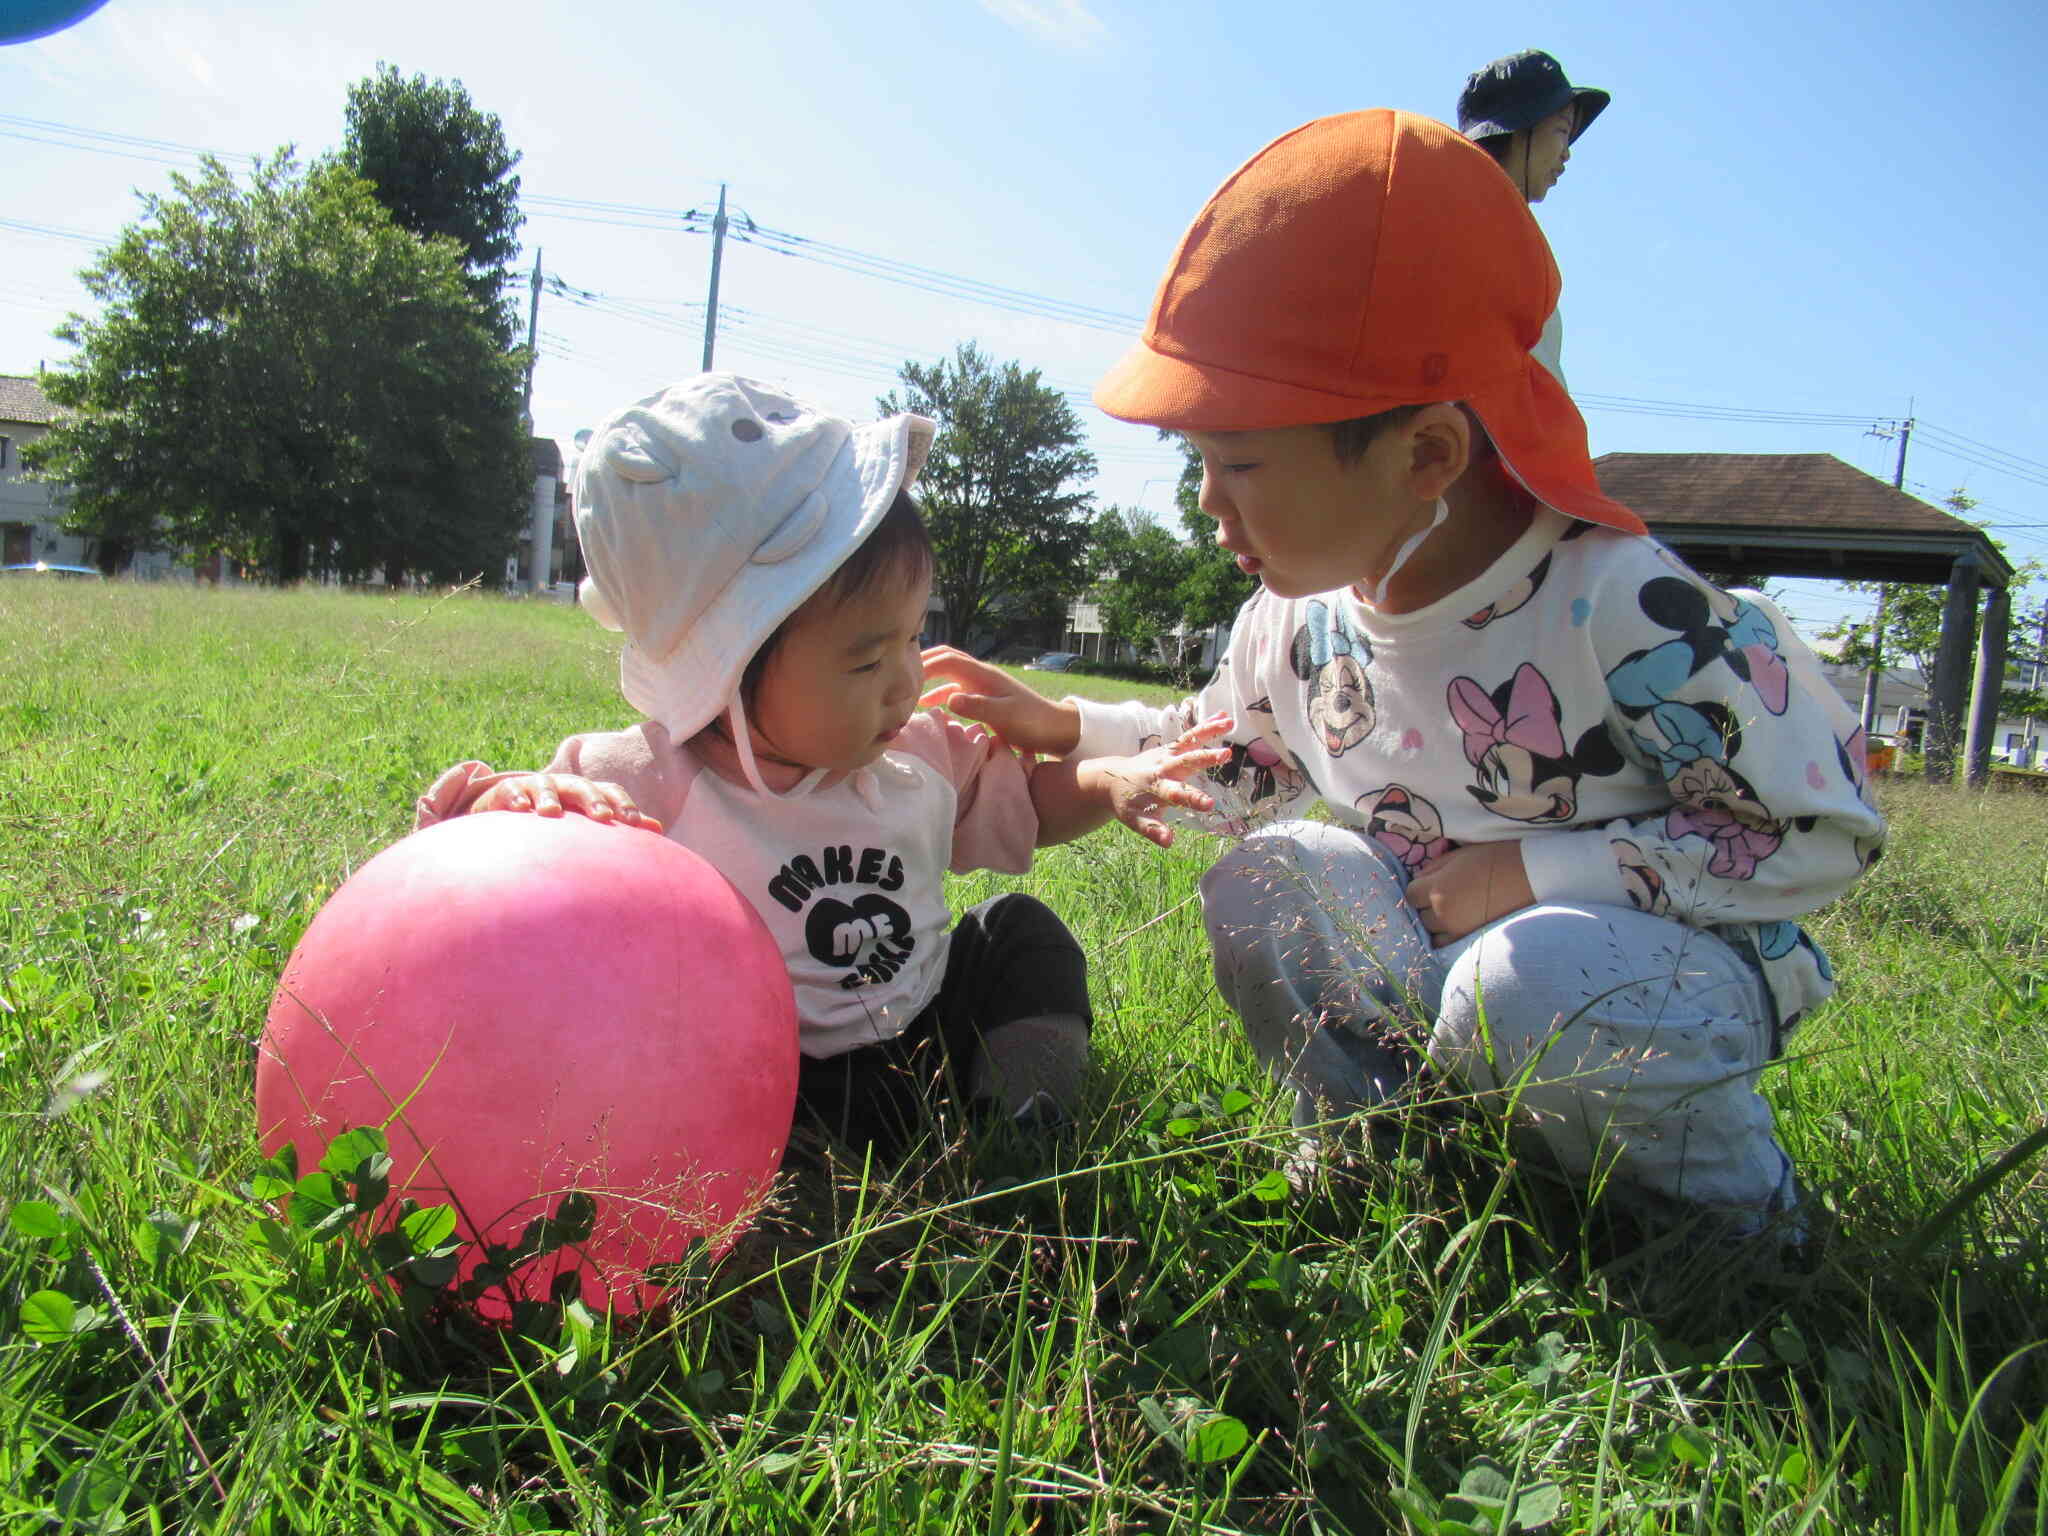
{"x": 1695, "y": 411}
{"x": 55, "y": 232}
{"x": 113, "y": 142}
{"x": 99, "y": 149}
{"x": 931, "y": 280}
{"x": 2002, "y": 463}
{"x": 859, "y": 356}
{"x": 1980, "y": 461}
{"x": 2035, "y": 464}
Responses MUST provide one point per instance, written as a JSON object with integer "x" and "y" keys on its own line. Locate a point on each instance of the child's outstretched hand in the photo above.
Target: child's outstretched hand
{"x": 1470, "y": 887}
{"x": 1137, "y": 789}
{"x": 1023, "y": 717}
{"x": 554, "y": 794}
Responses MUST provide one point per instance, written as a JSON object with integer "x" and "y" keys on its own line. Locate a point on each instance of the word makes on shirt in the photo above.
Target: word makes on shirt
{"x": 796, "y": 880}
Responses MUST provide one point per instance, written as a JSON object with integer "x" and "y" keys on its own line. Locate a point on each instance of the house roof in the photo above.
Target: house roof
{"x": 22, "y": 399}
{"x": 1793, "y": 514}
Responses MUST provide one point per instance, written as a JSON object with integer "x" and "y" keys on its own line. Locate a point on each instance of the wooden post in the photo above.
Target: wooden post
{"x": 1984, "y": 691}
{"x": 1951, "y": 661}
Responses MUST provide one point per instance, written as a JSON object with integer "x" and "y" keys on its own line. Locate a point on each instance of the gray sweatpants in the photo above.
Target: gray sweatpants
{"x": 1627, "y": 1045}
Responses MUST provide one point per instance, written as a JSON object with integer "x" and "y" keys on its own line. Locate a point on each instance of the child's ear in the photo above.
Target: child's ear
{"x": 1440, "y": 449}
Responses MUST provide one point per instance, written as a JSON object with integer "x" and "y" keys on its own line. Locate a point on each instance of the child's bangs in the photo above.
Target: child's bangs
{"x": 898, "y": 551}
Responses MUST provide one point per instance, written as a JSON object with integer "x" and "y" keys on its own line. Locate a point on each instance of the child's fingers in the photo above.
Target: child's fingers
{"x": 951, "y": 696}
{"x": 606, "y": 804}
{"x": 585, "y": 799}
{"x": 630, "y": 815}
{"x": 957, "y": 666}
{"x": 1180, "y": 764}
{"x": 1151, "y": 828}
{"x": 1216, "y": 725}
{"x": 972, "y": 706}
{"x": 1173, "y": 792}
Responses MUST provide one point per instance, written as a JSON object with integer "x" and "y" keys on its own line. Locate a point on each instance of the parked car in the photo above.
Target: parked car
{"x": 1053, "y": 661}
{"x": 44, "y": 568}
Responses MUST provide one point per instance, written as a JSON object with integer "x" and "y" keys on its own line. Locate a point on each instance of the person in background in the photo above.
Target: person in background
{"x": 1524, "y": 112}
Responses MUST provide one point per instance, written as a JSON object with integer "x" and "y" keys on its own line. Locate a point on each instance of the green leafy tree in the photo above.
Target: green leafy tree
{"x": 279, "y": 372}
{"x": 1140, "y": 568}
{"x": 1912, "y": 630}
{"x": 1009, "y": 526}
{"x": 442, "y": 167}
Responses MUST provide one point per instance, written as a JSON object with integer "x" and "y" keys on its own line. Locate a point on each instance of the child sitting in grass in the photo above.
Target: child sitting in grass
{"x": 772, "y": 577}
{"x": 1578, "y": 798}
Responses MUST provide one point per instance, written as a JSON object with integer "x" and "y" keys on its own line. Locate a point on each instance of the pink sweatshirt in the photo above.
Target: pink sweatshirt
{"x": 849, "y": 875}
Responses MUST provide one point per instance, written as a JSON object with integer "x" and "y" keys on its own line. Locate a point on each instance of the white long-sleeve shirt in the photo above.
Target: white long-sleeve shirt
{"x": 1649, "y": 739}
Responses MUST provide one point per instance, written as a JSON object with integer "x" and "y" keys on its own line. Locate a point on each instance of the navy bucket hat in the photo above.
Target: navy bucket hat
{"x": 1518, "y": 92}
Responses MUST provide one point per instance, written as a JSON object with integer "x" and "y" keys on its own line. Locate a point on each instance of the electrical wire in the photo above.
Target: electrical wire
{"x": 55, "y": 232}
{"x": 1695, "y": 411}
{"x": 2033, "y": 464}
{"x": 931, "y": 280}
{"x": 1994, "y": 460}
{"x": 1940, "y": 446}
{"x": 790, "y": 341}
{"x": 114, "y": 142}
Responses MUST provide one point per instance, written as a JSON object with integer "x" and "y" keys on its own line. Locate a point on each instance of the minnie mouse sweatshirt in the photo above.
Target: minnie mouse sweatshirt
{"x": 1650, "y": 740}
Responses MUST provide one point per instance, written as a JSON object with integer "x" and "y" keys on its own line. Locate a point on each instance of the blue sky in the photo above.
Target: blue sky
{"x": 1810, "y": 210}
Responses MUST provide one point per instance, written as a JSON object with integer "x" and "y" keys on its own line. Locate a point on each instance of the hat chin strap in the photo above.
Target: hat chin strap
{"x": 742, "y": 741}
{"x": 1407, "y": 550}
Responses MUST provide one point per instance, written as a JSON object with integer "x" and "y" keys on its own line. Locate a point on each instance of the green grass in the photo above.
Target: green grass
{"x": 1135, "y": 1329}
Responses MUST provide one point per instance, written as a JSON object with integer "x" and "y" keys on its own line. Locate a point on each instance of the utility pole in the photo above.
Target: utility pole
{"x": 1875, "y": 676}
{"x": 541, "y": 518}
{"x": 532, "y": 344}
{"x": 717, "y": 251}
{"x": 2026, "y": 752}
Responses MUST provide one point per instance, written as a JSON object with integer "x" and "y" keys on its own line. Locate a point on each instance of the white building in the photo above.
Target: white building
{"x": 1085, "y": 638}
{"x": 32, "y": 511}
{"x": 1902, "y": 713}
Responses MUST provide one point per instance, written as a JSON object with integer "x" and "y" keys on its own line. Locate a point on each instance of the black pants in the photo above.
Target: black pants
{"x": 1009, "y": 958}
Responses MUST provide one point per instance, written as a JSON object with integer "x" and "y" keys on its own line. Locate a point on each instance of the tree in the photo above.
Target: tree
{"x": 1139, "y": 569}
{"x": 1912, "y": 629}
{"x": 442, "y": 167}
{"x": 1008, "y": 529}
{"x": 281, "y": 373}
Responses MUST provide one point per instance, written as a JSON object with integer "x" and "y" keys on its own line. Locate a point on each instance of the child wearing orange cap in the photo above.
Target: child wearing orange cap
{"x": 1578, "y": 797}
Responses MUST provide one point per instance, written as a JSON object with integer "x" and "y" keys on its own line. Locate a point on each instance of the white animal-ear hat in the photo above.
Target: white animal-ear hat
{"x": 708, "y": 513}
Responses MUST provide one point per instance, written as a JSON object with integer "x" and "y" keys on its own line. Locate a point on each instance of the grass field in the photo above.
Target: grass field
{"x": 1136, "y": 1329}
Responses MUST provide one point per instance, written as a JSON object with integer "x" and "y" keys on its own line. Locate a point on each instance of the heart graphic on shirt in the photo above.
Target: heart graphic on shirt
{"x": 838, "y": 932}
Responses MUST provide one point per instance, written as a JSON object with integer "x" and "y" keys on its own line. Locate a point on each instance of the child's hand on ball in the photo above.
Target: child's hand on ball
{"x": 554, "y": 794}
